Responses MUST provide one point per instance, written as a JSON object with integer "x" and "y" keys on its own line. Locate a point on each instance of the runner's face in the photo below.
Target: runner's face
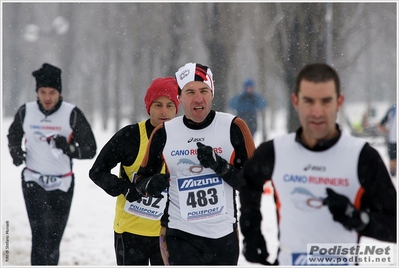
{"x": 196, "y": 99}
{"x": 49, "y": 97}
{"x": 317, "y": 105}
{"x": 162, "y": 109}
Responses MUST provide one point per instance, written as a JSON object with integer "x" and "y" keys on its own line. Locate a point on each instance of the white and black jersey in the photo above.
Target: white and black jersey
{"x": 300, "y": 176}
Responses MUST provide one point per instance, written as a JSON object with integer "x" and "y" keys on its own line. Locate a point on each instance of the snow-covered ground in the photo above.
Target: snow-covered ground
{"x": 88, "y": 238}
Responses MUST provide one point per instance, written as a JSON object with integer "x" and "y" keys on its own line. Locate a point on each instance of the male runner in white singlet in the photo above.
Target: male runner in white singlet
{"x": 330, "y": 187}
{"x": 55, "y": 132}
{"x": 203, "y": 151}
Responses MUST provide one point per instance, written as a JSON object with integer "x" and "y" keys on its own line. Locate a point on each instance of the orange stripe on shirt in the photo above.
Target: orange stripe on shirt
{"x": 358, "y": 198}
{"x": 278, "y": 203}
{"x": 246, "y": 133}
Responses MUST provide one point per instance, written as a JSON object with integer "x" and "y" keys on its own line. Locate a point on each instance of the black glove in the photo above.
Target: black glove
{"x": 18, "y": 156}
{"x": 254, "y": 244}
{"x": 254, "y": 248}
{"x": 153, "y": 186}
{"x": 209, "y": 159}
{"x": 130, "y": 192}
{"x": 344, "y": 212}
{"x": 61, "y": 143}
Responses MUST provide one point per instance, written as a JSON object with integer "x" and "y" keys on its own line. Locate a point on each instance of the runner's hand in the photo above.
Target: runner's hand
{"x": 209, "y": 159}
{"x": 152, "y": 186}
{"x": 130, "y": 193}
{"x": 342, "y": 210}
{"x": 62, "y": 143}
{"x": 18, "y": 156}
{"x": 254, "y": 248}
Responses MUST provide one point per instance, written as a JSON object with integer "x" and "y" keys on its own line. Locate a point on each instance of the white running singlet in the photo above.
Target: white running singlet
{"x": 300, "y": 178}
{"x": 45, "y": 163}
{"x": 200, "y": 202}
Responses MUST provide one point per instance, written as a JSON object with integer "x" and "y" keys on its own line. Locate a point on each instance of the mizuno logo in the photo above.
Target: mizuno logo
{"x": 199, "y": 182}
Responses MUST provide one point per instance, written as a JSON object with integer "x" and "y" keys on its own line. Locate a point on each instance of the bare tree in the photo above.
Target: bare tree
{"x": 119, "y": 48}
{"x": 221, "y": 31}
{"x": 264, "y": 23}
{"x": 300, "y": 40}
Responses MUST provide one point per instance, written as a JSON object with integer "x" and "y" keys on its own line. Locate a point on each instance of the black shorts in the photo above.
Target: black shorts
{"x": 392, "y": 151}
{"x": 132, "y": 249}
{"x": 188, "y": 249}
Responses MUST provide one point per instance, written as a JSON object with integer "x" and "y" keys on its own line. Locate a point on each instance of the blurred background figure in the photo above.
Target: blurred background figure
{"x": 388, "y": 126}
{"x": 247, "y": 104}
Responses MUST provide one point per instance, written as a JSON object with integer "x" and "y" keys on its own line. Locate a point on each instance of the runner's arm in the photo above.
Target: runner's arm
{"x": 16, "y": 132}
{"x": 121, "y": 148}
{"x": 253, "y": 178}
{"x": 379, "y": 198}
{"x": 82, "y": 136}
{"x": 153, "y": 159}
{"x": 244, "y": 147}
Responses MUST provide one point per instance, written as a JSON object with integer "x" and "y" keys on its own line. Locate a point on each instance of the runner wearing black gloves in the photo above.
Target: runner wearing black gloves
{"x": 319, "y": 164}
{"x": 203, "y": 151}
{"x": 136, "y": 224}
{"x": 55, "y": 132}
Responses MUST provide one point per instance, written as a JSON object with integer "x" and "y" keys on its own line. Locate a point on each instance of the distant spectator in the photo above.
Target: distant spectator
{"x": 247, "y": 104}
{"x": 388, "y": 126}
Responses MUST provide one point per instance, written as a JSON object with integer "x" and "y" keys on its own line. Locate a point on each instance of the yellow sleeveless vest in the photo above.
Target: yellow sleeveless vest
{"x": 124, "y": 221}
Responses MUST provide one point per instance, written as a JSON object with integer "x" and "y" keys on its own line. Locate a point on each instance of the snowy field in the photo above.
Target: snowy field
{"x": 88, "y": 238}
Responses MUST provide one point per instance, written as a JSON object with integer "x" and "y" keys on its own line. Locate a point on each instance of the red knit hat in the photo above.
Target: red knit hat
{"x": 164, "y": 86}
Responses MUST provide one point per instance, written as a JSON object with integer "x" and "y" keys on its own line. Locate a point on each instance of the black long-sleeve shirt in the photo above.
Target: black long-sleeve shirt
{"x": 122, "y": 148}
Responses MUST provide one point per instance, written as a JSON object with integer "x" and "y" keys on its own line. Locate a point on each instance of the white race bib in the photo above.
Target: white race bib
{"x": 49, "y": 182}
{"x": 201, "y": 197}
{"x": 151, "y": 208}
{"x": 147, "y": 207}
